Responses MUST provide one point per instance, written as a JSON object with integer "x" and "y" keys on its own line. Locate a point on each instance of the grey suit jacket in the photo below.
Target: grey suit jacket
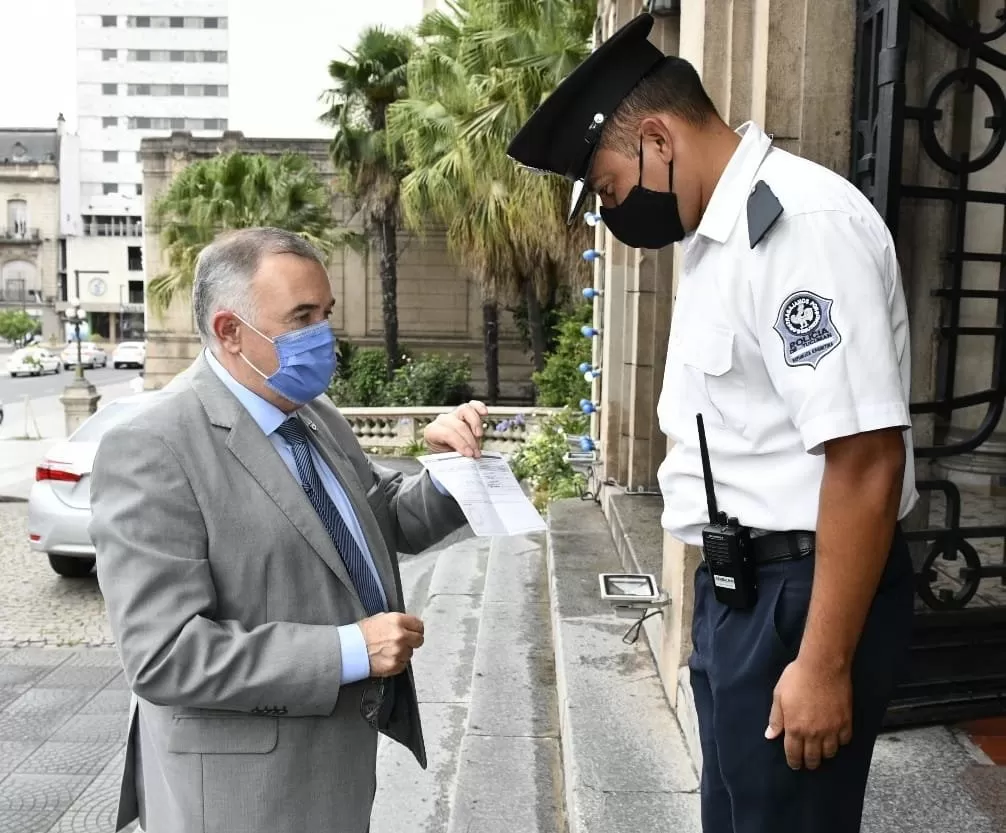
{"x": 224, "y": 592}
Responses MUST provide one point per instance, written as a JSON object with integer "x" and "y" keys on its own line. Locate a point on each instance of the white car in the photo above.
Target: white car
{"x": 91, "y": 355}
{"x": 32, "y": 361}
{"x": 130, "y": 354}
{"x": 59, "y": 505}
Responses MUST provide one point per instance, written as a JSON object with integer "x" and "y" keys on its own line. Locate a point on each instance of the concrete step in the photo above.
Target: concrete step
{"x": 486, "y": 685}
{"x": 626, "y": 766}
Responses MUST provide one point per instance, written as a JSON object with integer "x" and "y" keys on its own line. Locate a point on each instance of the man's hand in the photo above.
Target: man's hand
{"x": 813, "y": 710}
{"x": 391, "y": 638}
{"x": 460, "y": 430}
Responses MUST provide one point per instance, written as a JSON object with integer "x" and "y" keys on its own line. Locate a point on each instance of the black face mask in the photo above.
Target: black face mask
{"x": 646, "y": 219}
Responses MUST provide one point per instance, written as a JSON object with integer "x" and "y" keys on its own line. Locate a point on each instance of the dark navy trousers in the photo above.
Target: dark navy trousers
{"x": 737, "y": 659}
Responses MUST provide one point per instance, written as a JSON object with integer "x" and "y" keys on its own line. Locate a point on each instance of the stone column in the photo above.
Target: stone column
{"x": 80, "y": 400}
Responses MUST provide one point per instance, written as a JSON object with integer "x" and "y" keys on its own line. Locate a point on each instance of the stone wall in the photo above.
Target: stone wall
{"x": 439, "y": 306}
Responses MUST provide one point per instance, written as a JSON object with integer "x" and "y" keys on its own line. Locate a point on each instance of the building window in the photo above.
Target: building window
{"x": 160, "y": 22}
{"x": 139, "y": 189}
{"x": 176, "y": 56}
{"x": 109, "y": 188}
{"x": 17, "y": 218}
{"x": 177, "y": 124}
{"x": 109, "y": 89}
{"x": 109, "y": 121}
{"x": 142, "y": 54}
{"x": 139, "y": 123}
{"x": 177, "y": 89}
{"x": 110, "y": 156}
{"x": 109, "y": 54}
{"x": 140, "y": 22}
{"x": 109, "y": 21}
{"x": 139, "y": 89}
{"x": 135, "y": 258}
{"x": 177, "y": 22}
{"x": 135, "y": 292}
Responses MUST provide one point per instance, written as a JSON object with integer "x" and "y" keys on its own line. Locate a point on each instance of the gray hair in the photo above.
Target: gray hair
{"x": 225, "y": 269}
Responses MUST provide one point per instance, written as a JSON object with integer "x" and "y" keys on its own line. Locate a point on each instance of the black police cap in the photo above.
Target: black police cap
{"x": 563, "y": 134}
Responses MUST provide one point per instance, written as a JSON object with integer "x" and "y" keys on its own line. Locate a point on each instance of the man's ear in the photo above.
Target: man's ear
{"x": 227, "y": 330}
{"x": 656, "y": 134}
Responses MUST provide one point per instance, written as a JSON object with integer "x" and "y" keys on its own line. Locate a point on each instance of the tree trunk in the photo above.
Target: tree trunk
{"x": 388, "y": 250}
{"x": 491, "y": 349}
{"x": 535, "y": 326}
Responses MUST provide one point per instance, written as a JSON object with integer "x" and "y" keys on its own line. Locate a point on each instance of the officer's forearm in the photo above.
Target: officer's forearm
{"x": 860, "y": 496}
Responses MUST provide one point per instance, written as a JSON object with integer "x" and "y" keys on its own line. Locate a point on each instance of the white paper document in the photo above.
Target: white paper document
{"x": 487, "y": 492}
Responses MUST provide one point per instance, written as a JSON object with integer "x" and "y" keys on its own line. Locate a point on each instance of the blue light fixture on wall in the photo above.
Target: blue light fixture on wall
{"x": 589, "y": 332}
{"x": 592, "y": 219}
{"x": 590, "y": 293}
{"x": 592, "y": 254}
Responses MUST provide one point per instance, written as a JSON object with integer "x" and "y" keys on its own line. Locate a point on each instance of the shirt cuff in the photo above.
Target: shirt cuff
{"x": 355, "y": 659}
{"x": 439, "y": 486}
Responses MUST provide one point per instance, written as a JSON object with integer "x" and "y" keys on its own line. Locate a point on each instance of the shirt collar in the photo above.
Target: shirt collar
{"x": 266, "y": 415}
{"x": 732, "y": 190}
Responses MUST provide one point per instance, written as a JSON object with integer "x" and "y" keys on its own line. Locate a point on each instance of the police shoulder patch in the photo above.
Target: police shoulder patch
{"x": 806, "y": 328}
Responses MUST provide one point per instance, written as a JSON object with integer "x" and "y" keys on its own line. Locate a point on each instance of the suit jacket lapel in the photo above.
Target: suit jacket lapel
{"x": 344, "y": 472}
{"x": 257, "y": 454}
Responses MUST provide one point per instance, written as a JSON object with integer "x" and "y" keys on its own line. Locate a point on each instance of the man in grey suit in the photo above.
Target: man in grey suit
{"x": 246, "y": 550}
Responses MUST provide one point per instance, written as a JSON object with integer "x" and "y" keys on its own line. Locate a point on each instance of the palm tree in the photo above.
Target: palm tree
{"x": 232, "y": 191}
{"x": 366, "y": 84}
{"x": 483, "y": 67}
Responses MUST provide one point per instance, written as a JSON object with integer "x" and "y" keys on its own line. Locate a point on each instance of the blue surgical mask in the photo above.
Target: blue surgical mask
{"x": 307, "y": 362}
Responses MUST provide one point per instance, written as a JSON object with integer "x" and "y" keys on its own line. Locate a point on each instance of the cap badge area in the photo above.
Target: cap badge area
{"x": 805, "y": 325}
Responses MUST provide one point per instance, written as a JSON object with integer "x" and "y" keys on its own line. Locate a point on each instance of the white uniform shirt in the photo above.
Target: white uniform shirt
{"x": 781, "y": 348}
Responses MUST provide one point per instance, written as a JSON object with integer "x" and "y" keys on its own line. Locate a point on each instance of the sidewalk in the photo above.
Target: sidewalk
{"x": 44, "y": 426}
{"x": 627, "y": 766}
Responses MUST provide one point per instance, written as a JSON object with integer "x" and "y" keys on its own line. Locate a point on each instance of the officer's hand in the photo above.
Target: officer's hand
{"x": 460, "y": 430}
{"x": 813, "y": 709}
{"x": 391, "y": 638}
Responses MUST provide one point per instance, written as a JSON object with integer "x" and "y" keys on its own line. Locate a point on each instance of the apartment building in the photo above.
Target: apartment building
{"x": 144, "y": 68}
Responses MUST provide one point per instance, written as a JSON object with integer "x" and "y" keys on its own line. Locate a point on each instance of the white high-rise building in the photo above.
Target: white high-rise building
{"x": 144, "y": 67}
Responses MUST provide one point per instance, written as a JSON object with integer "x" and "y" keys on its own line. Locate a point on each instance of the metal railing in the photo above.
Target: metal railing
{"x": 18, "y": 234}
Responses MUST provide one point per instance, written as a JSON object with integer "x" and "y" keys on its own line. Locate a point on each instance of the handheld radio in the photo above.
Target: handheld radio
{"x": 726, "y": 545}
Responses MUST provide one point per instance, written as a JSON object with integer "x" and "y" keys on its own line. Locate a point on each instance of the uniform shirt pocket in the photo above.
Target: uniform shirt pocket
{"x": 707, "y": 351}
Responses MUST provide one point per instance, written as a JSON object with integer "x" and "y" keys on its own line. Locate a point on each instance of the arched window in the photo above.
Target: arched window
{"x": 17, "y": 218}
{"x": 17, "y": 281}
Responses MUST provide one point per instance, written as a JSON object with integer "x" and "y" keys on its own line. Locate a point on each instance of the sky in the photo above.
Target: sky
{"x": 279, "y": 54}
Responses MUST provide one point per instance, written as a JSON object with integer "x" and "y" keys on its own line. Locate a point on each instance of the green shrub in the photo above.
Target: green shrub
{"x": 561, "y": 383}
{"x": 361, "y": 381}
{"x": 540, "y": 461}
{"x": 431, "y": 380}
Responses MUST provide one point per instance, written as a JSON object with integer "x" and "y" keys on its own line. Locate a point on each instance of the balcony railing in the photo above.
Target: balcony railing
{"x": 399, "y": 429}
{"x": 113, "y": 230}
{"x": 20, "y": 295}
{"x": 20, "y": 234}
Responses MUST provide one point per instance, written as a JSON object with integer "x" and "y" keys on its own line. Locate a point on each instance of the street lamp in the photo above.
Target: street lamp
{"x": 74, "y": 316}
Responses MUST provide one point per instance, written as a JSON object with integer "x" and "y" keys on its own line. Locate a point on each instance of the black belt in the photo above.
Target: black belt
{"x": 782, "y": 546}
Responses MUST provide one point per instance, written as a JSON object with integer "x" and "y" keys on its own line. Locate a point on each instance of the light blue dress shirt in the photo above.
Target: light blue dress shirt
{"x": 355, "y": 659}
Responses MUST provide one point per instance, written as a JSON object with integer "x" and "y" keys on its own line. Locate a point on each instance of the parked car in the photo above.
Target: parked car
{"x": 32, "y": 361}
{"x": 130, "y": 354}
{"x": 59, "y": 504}
{"x": 91, "y": 355}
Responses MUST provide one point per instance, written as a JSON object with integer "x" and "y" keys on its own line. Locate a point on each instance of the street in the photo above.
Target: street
{"x": 14, "y": 390}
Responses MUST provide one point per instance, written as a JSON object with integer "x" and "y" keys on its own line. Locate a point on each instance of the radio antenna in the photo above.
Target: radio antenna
{"x": 707, "y": 474}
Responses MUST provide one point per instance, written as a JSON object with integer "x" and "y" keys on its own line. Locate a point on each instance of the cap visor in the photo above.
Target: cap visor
{"x": 580, "y": 188}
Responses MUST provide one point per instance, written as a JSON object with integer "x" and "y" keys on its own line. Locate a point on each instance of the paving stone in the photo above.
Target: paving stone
{"x": 9, "y": 693}
{"x": 13, "y": 675}
{"x": 95, "y": 810}
{"x": 95, "y": 657}
{"x": 40, "y": 793}
{"x": 79, "y": 676}
{"x": 46, "y": 701}
{"x": 94, "y": 728}
{"x": 443, "y": 666}
{"x": 29, "y": 821}
{"x": 40, "y": 608}
{"x": 107, "y": 701}
{"x": 58, "y": 758}
{"x": 462, "y": 570}
{"x": 516, "y": 571}
{"x": 118, "y": 682}
{"x": 12, "y": 753}
{"x": 47, "y": 657}
{"x": 28, "y": 727}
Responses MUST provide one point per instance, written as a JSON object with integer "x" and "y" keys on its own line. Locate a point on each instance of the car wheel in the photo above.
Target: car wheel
{"x": 66, "y": 366}
{"x": 70, "y": 566}
{"x": 116, "y": 365}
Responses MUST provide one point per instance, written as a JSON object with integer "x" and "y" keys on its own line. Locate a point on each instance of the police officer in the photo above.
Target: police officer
{"x": 790, "y": 338}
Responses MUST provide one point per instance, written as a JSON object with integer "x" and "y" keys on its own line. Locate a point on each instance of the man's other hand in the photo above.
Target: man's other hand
{"x": 460, "y": 430}
{"x": 391, "y": 638}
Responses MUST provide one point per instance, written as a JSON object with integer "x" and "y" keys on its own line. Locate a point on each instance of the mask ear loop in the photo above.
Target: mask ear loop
{"x": 670, "y": 169}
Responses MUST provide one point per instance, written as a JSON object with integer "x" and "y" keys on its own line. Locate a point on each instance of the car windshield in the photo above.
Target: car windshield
{"x": 105, "y": 418}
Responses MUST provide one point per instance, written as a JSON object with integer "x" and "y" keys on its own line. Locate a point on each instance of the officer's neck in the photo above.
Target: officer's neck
{"x": 719, "y": 146}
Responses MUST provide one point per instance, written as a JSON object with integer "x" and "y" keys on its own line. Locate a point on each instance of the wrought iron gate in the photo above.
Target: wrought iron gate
{"x": 920, "y": 66}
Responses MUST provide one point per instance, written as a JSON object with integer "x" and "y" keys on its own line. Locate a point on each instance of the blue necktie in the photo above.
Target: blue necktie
{"x": 356, "y": 563}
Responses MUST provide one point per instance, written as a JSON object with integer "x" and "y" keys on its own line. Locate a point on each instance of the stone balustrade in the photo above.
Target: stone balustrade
{"x": 393, "y": 430}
